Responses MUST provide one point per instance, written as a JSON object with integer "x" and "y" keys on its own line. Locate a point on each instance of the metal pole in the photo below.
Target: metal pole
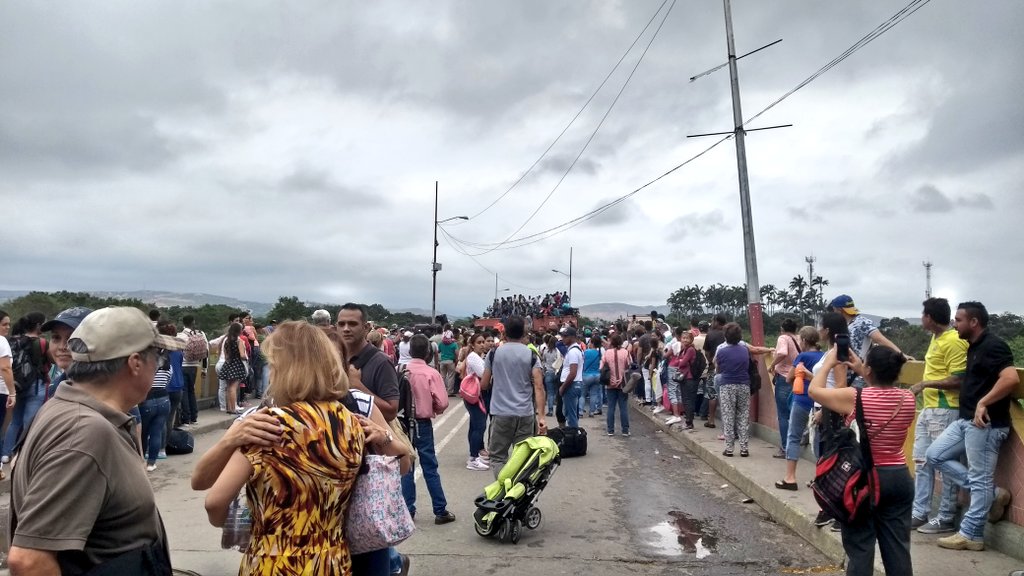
{"x": 570, "y": 275}
{"x": 750, "y": 252}
{"x": 433, "y": 267}
{"x": 495, "y": 286}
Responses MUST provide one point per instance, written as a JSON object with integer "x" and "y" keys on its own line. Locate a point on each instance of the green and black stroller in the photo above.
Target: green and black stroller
{"x": 511, "y": 501}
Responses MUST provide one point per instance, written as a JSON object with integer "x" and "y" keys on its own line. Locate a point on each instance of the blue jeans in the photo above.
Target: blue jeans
{"x": 799, "y": 417}
{"x": 551, "y": 389}
{"x": 375, "y": 563}
{"x": 154, "y": 418}
{"x": 428, "y": 462}
{"x": 25, "y": 408}
{"x": 592, "y": 386}
{"x": 571, "y": 404}
{"x": 617, "y": 399}
{"x": 931, "y": 423}
{"x": 477, "y": 425}
{"x": 982, "y": 448}
{"x": 783, "y": 395}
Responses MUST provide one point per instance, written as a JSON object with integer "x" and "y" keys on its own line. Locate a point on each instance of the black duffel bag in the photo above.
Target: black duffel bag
{"x": 180, "y": 442}
{"x": 571, "y": 441}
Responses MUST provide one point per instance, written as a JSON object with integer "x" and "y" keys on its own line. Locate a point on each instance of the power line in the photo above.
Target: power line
{"x": 596, "y": 129}
{"x": 511, "y": 243}
{"x": 578, "y": 114}
{"x": 447, "y": 239}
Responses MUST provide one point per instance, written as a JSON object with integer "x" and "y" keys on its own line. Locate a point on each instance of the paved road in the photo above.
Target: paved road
{"x": 640, "y": 504}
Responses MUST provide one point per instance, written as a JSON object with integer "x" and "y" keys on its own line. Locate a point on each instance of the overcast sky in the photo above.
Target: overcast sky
{"x": 258, "y": 149}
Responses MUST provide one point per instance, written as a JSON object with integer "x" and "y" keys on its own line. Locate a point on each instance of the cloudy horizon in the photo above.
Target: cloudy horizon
{"x": 257, "y": 150}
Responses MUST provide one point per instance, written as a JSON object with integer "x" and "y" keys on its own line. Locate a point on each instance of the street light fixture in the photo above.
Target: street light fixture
{"x": 569, "y": 275}
{"x": 435, "y": 266}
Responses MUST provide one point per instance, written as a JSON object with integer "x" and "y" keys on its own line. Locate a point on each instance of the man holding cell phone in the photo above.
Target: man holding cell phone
{"x": 863, "y": 333}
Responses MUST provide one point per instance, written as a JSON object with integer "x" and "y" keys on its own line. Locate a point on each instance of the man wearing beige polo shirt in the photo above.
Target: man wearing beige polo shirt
{"x": 80, "y": 498}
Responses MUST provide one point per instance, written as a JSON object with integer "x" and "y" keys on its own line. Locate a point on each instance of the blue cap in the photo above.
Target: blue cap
{"x": 845, "y": 303}
{"x": 71, "y": 318}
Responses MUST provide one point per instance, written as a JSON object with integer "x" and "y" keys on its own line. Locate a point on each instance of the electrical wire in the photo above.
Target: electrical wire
{"x": 596, "y": 129}
{"x": 511, "y": 243}
{"x": 578, "y": 114}
{"x": 455, "y": 247}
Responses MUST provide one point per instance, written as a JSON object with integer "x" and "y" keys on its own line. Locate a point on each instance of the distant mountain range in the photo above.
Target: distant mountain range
{"x": 167, "y": 299}
{"x": 608, "y": 311}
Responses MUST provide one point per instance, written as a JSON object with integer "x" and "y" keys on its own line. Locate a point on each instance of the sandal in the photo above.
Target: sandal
{"x": 783, "y": 485}
{"x": 709, "y": 424}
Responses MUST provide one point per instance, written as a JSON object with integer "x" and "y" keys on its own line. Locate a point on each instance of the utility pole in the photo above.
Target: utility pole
{"x": 749, "y": 250}
{"x": 927, "y": 279}
{"x": 570, "y": 274}
{"x": 434, "y": 268}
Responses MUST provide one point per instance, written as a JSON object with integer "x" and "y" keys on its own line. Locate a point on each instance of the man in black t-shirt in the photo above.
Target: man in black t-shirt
{"x": 981, "y": 429}
{"x": 714, "y": 339}
{"x": 377, "y": 375}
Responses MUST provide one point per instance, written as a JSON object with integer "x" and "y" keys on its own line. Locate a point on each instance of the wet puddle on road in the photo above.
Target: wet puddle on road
{"x": 684, "y": 534}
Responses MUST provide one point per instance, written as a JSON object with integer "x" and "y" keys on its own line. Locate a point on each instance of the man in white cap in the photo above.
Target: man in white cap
{"x": 80, "y": 497}
{"x": 404, "y": 357}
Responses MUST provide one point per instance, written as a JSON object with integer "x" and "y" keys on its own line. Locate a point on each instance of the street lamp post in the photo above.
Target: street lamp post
{"x": 569, "y": 275}
{"x": 496, "y": 288}
{"x": 437, "y": 267}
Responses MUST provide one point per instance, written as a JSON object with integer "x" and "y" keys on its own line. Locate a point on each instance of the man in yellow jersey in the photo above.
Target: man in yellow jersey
{"x": 944, "y": 368}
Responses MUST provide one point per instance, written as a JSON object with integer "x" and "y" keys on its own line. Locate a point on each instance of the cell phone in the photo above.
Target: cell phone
{"x": 843, "y": 347}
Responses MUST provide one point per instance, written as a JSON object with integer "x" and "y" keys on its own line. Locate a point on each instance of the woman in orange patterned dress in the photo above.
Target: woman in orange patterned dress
{"x": 298, "y": 491}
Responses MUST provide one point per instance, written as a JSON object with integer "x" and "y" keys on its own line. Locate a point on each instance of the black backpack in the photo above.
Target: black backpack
{"x": 699, "y": 365}
{"x": 406, "y": 415}
{"x": 845, "y": 481}
{"x": 754, "y": 374}
{"x": 27, "y": 355}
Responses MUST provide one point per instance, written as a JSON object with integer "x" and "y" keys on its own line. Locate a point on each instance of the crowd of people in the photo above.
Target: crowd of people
{"x": 335, "y": 391}
{"x": 556, "y": 304}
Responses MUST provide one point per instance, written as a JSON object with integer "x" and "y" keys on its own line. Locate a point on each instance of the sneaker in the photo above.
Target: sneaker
{"x": 626, "y": 434}
{"x": 916, "y": 522}
{"x": 5, "y": 459}
{"x": 161, "y": 455}
{"x": 999, "y": 504}
{"x": 959, "y": 542}
{"x": 659, "y": 409}
{"x": 822, "y": 519}
{"x": 444, "y": 518}
{"x": 936, "y": 526}
{"x": 689, "y": 426}
{"x": 611, "y": 433}
{"x": 150, "y": 467}
{"x": 836, "y": 526}
{"x": 476, "y": 464}
{"x": 673, "y": 420}
{"x": 193, "y": 423}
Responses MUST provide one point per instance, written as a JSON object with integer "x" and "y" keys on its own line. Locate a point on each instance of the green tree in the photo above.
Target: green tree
{"x": 289, "y": 308}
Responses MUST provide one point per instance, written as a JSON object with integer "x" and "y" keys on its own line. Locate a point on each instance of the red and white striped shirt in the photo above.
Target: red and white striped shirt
{"x": 888, "y": 421}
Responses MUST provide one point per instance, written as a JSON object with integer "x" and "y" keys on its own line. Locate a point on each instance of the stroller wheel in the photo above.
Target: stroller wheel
{"x": 516, "y": 531}
{"x": 533, "y": 518}
{"x": 504, "y": 531}
{"x": 485, "y": 523}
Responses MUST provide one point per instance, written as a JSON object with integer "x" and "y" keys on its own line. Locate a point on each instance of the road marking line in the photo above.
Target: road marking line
{"x": 444, "y": 442}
